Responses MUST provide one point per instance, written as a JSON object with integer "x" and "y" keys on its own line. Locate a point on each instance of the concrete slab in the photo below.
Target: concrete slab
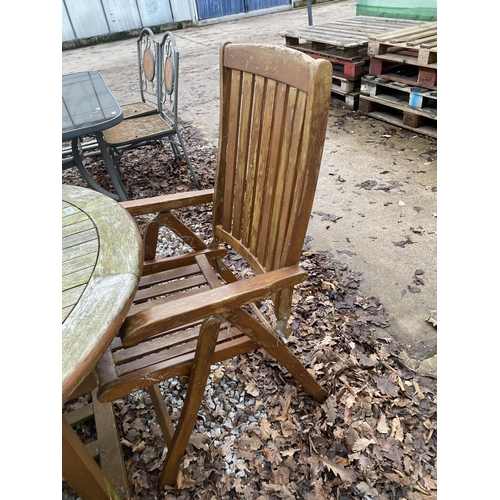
{"x": 375, "y": 205}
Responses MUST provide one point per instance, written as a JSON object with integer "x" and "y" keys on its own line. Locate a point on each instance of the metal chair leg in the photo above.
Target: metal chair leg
{"x": 188, "y": 161}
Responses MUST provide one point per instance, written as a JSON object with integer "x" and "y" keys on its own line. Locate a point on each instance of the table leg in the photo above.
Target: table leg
{"x": 78, "y": 159}
{"x": 80, "y": 469}
{"x": 110, "y": 166}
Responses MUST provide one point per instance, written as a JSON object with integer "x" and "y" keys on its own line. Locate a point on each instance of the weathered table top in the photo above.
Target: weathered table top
{"x": 101, "y": 264}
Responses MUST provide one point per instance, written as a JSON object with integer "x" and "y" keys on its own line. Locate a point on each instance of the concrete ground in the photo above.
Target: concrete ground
{"x": 375, "y": 205}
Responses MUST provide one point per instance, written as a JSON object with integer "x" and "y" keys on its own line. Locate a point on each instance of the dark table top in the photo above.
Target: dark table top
{"x": 88, "y": 105}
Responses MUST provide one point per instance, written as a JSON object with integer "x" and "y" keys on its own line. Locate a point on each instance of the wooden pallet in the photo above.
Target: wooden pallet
{"x": 326, "y": 51}
{"x": 404, "y": 117}
{"x": 350, "y": 100}
{"x": 343, "y": 68}
{"x": 413, "y": 45}
{"x": 347, "y": 91}
{"x": 401, "y": 95}
{"x": 344, "y": 85}
{"x": 348, "y": 37}
{"x": 403, "y": 73}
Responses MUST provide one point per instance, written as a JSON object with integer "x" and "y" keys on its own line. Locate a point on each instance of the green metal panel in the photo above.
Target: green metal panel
{"x": 421, "y": 10}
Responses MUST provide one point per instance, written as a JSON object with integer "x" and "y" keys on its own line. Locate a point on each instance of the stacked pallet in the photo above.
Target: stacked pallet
{"x": 345, "y": 44}
{"x": 401, "y": 85}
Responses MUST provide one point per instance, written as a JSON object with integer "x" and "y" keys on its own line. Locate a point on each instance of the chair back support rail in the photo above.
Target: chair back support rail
{"x": 191, "y": 310}
{"x": 148, "y": 64}
{"x": 169, "y": 78}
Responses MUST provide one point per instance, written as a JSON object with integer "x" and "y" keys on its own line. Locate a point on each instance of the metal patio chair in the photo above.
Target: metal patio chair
{"x": 143, "y": 129}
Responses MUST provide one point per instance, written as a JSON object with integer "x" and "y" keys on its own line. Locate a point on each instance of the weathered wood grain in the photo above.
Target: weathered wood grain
{"x": 98, "y": 283}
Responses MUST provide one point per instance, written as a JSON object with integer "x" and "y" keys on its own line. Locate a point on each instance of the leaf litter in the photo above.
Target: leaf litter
{"x": 258, "y": 435}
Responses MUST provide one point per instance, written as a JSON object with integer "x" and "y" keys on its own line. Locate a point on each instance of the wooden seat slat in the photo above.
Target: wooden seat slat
{"x": 134, "y": 375}
{"x": 176, "y": 286}
{"x": 174, "y": 262}
{"x": 159, "y": 343}
{"x": 173, "y": 274}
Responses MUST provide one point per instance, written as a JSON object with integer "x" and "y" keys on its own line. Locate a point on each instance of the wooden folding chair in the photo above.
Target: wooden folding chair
{"x": 143, "y": 125}
{"x": 190, "y": 310}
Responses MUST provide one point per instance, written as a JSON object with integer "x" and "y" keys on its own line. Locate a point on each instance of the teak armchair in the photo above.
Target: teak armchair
{"x": 190, "y": 310}
{"x": 159, "y": 71}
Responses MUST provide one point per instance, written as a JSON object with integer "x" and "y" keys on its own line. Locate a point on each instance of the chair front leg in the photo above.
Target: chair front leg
{"x": 196, "y": 389}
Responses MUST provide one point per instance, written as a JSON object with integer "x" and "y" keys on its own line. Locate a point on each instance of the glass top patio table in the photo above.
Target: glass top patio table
{"x": 88, "y": 106}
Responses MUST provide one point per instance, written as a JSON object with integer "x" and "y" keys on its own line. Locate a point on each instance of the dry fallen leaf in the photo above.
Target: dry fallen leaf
{"x": 252, "y": 388}
{"x": 382, "y": 426}
{"x": 397, "y": 429}
{"x": 198, "y": 439}
{"x": 347, "y": 475}
{"x": 362, "y": 443}
{"x": 432, "y": 321}
{"x": 265, "y": 428}
{"x": 386, "y": 387}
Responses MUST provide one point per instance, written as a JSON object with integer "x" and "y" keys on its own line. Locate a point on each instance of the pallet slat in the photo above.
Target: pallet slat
{"x": 421, "y": 40}
{"x": 421, "y": 101}
{"x": 346, "y": 34}
{"x": 404, "y": 73}
{"x": 403, "y": 33}
{"x": 399, "y": 117}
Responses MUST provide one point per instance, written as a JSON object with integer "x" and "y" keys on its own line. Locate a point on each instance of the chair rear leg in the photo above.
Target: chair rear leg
{"x": 188, "y": 161}
{"x": 276, "y": 348}
{"x": 116, "y": 155}
{"x": 175, "y": 149}
{"x": 196, "y": 389}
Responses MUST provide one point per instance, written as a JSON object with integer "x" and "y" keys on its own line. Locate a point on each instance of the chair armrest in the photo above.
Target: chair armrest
{"x": 168, "y": 202}
{"x": 159, "y": 318}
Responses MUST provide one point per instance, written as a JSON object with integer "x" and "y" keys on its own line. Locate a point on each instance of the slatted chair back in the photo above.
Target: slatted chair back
{"x": 270, "y": 148}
